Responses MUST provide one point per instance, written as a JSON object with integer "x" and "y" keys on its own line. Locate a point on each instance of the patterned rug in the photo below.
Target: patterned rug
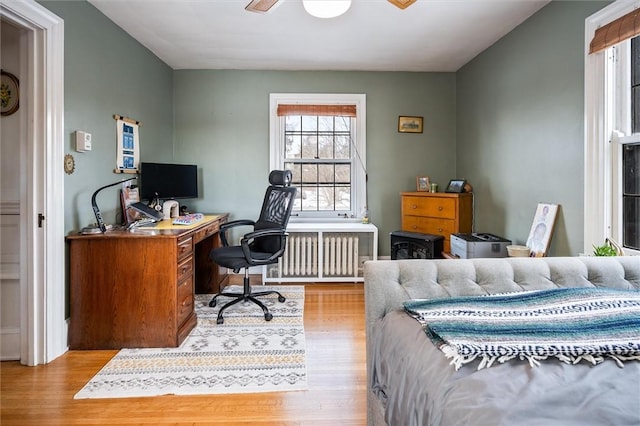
{"x": 245, "y": 354}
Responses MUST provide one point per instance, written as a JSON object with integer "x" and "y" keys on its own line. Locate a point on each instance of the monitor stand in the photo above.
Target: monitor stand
{"x": 170, "y": 209}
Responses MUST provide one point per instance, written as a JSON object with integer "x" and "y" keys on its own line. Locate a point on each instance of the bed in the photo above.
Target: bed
{"x": 410, "y": 381}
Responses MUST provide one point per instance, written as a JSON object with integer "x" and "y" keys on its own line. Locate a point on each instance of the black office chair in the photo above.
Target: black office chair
{"x": 263, "y": 246}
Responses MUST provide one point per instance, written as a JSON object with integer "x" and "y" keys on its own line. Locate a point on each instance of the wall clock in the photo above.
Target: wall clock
{"x": 69, "y": 164}
{"x": 9, "y": 93}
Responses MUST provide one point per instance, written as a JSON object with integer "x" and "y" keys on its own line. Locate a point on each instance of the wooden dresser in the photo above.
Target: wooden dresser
{"x": 135, "y": 289}
{"x": 438, "y": 213}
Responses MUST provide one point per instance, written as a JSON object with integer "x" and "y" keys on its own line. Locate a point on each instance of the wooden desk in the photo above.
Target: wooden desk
{"x": 135, "y": 289}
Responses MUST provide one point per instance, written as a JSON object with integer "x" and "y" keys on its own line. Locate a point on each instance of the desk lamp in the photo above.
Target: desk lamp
{"x": 101, "y": 226}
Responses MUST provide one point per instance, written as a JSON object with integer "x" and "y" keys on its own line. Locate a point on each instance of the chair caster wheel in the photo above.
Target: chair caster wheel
{"x": 220, "y": 320}
{"x": 281, "y": 299}
{"x": 212, "y": 304}
{"x": 268, "y": 316}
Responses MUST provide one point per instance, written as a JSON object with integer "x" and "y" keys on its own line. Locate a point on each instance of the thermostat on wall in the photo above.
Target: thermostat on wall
{"x": 83, "y": 141}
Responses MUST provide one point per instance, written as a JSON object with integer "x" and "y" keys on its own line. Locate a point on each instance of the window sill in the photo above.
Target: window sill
{"x": 325, "y": 220}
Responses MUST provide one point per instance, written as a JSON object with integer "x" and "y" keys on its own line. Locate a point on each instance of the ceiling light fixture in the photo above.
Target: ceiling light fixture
{"x": 326, "y": 8}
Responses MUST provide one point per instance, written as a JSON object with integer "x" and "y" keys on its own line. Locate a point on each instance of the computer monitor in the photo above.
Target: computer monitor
{"x": 168, "y": 181}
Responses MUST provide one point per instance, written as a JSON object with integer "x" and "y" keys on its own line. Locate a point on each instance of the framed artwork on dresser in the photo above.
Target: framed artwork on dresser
{"x": 422, "y": 183}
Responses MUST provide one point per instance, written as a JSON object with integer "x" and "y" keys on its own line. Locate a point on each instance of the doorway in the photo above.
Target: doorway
{"x": 32, "y": 214}
{"x": 12, "y": 190}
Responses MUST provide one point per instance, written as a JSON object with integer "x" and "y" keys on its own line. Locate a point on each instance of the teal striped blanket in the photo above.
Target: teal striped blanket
{"x": 570, "y": 324}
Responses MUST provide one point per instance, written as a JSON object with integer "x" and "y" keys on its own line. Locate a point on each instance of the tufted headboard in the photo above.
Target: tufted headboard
{"x": 388, "y": 283}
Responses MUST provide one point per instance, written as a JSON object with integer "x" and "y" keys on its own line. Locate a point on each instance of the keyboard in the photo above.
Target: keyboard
{"x": 188, "y": 219}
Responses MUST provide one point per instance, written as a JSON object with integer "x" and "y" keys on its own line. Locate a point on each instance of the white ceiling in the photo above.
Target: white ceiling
{"x": 374, "y": 35}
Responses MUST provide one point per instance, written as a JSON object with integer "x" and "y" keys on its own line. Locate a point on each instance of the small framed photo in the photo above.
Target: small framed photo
{"x": 456, "y": 186}
{"x": 422, "y": 183}
{"x": 409, "y": 124}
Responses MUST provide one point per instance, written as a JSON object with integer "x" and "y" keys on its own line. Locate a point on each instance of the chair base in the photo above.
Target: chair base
{"x": 246, "y": 295}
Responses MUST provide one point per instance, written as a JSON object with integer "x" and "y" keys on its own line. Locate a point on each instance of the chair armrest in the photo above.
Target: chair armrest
{"x": 225, "y": 226}
{"x": 233, "y": 223}
{"x": 248, "y": 238}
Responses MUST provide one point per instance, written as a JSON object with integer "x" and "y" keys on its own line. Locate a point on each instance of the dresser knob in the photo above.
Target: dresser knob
{"x": 414, "y": 206}
{"x": 439, "y": 229}
{"x": 439, "y": 208}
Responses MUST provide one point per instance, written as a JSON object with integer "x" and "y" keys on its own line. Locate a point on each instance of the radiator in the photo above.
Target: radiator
{"x": 337, "y": 256}
{"x": 300, "y": 256}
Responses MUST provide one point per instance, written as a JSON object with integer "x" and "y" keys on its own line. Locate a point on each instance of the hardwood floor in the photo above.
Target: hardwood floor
{"x": 334, "y": 329}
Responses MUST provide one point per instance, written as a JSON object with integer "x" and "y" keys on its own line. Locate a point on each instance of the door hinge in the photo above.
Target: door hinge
{"x": 40, "y": 220}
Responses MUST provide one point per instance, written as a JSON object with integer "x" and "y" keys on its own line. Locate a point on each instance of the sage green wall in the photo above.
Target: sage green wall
{"x": 520, "y": 126}
{"x": 510, "y": 121}
{"x": 107, "y": 72}
{"x": 222, "y": 124}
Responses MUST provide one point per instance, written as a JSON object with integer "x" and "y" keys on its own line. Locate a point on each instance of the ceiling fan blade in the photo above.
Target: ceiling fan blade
{"x": 261, "y": 6}
{"x": 402, "y": 4}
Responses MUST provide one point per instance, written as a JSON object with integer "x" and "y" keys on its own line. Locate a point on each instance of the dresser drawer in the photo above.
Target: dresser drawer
{"x": 185, "y": 247}
{"x": 185, "y": 268}
{"x": 428, "y": 225}
{"x": 429, "y": 206}
{"x": 185, "y": 299}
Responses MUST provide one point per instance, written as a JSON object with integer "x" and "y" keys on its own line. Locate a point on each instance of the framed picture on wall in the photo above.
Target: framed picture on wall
{"x": 9, "y": 93}
{"x": 408, "y": 124}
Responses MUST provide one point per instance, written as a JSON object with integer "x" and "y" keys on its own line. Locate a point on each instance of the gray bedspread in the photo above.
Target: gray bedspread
{"x": 418, "y": 386}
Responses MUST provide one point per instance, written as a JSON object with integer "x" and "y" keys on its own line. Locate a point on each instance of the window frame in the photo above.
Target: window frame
{"x": 603, "y": 140}
{"x": 358, "y": 160}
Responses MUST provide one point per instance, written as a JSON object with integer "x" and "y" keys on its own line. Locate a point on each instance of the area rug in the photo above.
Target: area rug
{"x": 245, "y": 354}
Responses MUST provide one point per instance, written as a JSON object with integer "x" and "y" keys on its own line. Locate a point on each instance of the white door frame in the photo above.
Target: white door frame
{"x": 42, "y": 277}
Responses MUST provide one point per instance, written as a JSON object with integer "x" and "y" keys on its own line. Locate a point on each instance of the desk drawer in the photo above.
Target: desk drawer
{"x": 429, "y": 206}
{"x": 185, "y": 299}
{"x": 205, "y": 232}
{"x": 185, "y": 247}
{"x": 185, "y": 268}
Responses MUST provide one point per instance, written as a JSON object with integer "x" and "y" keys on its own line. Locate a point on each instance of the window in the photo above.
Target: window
{"x": 318, "y": 152}
{"x": 631, "y": 196}
{"x": 612, "y": 145}
{"x": 629, "y": 157}
{"x": 624, "y": 102}
{"x": 321, "y": 139}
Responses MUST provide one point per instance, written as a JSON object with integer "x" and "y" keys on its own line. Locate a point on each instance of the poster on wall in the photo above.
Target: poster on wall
{"x": 128, "y": 144}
